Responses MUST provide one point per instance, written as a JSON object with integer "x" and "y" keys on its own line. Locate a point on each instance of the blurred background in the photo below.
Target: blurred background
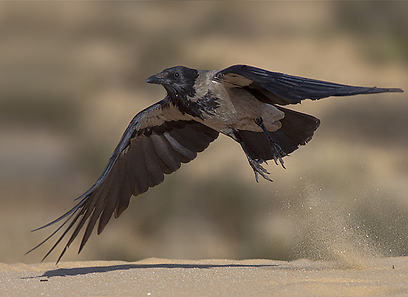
{"x": 72, "y": 77}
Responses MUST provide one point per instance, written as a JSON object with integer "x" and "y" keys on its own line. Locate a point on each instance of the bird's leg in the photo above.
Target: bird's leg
{"x": 277, "y": 152}
{"x": 256, "y": 165}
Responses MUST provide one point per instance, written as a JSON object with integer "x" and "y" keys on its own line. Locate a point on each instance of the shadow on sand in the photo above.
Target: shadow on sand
{"x": 102, "y": 269}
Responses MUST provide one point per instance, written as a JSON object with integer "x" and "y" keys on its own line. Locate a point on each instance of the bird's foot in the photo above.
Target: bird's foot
{"x": 278, "y": 154}
{"x": 277, "y": 151}
{"x": 259, "y": 169}
{"x": 256, "y": 165}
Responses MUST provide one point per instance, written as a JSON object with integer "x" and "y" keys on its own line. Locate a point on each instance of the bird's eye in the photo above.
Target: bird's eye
{"x": 176, "y": 75}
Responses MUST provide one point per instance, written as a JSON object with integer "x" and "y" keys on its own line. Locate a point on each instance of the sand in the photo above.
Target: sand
{"x": 163, "y": 277}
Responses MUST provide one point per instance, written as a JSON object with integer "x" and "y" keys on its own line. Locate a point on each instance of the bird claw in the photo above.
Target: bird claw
{"x": 278, "y": 154}
{"x": 259, "y": 169}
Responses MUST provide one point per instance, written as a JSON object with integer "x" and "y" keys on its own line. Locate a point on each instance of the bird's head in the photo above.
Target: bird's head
{"x": 178, "y": 81}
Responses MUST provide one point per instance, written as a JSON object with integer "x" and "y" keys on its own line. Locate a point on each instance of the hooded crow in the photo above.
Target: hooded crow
{"x": 242, "y": 102}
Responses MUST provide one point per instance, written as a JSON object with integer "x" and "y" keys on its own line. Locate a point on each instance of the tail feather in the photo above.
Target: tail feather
{"x": 297, "y": 129}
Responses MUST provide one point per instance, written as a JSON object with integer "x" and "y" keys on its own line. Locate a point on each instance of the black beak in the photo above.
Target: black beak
{"x": 154, "y": 79}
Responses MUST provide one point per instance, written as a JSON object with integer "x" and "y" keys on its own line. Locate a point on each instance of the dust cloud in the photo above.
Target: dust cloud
{"x": 326, "y": 231}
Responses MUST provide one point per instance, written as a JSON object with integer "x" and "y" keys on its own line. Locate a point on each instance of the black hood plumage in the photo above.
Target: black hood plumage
{"x": 178, "y": 81}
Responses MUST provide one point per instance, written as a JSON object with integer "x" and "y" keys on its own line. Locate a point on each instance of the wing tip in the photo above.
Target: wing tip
{"x": 396, "y": 90}
{"x": 376, "y": 90}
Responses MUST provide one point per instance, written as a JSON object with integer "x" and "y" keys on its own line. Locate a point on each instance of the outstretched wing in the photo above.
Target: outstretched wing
{"x": 156, "y": 142}
{"x": 280, "y": 88}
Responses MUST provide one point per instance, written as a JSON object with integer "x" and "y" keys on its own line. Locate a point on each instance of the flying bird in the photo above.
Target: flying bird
{"x": 242, "y": 102}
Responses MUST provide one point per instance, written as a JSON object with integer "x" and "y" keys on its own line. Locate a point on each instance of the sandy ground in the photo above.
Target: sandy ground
{"x": 163, "y": 277}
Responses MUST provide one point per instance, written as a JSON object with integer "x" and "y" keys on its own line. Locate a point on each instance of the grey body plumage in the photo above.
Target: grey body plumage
{"x": 242, "y": 102}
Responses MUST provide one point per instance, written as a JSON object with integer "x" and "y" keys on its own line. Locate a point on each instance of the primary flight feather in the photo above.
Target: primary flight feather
{"x": 242, "y": 102}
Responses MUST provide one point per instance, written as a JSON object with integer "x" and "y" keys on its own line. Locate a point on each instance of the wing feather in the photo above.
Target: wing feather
{"x": 139, "y": 172}
{"x": 185, "y": 154}
{"x": 279, "y": 88}
{"x": 154, "y": 170}
{"x": 156, "y": 142}
{"x": 169, "y": 159}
